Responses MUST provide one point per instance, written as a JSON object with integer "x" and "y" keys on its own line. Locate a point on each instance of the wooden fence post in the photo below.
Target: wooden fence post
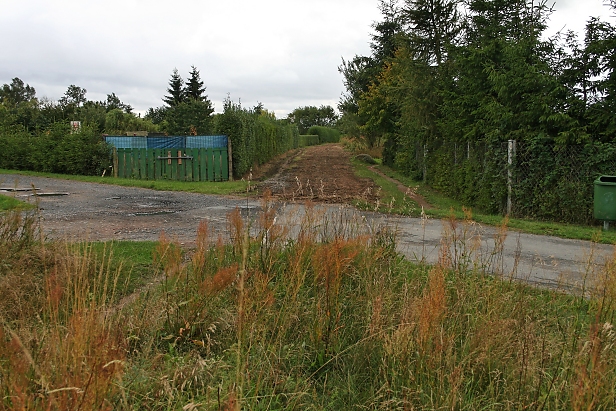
{"x": 115, "y": 162}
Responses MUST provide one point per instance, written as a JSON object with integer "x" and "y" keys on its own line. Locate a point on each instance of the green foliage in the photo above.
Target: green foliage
{"x": 438, "y": 83}
{"x": 188, "y": 110}
{"x": 255, "y": 138}
{"x": 556, "y": 181}
{"x": 177, "y": 93}
{"x": 21, "y": 110}
{"x": 11, "y": 203}
{"x": 16, "y": 92}
{"x": 56, "y": 150}
{"x": 118, "y": 121}
{"x": 306, "y": 117}
{"x": 18, "y": 105}
{"x": 308, "y": 140}
{"x": 189, "y": 117}
{"x": 17, "y": 149}
{"x": 194, "y": 86}
{"x": 326, "y": 134}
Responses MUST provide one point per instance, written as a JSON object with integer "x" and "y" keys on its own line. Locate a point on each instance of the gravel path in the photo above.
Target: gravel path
{"x": 75, "y": 210}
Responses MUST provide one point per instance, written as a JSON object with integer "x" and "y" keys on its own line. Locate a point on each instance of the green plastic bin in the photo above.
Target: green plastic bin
{"x": 605, "y": 198}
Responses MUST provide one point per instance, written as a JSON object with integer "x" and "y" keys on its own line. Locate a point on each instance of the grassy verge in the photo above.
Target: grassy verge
{"x": 262, "y": 322}
{"x": 391, "y": 200}
{"x": 215, "y": 188}
{"x": 445, "y": 207}
{"x": 130, "y": 260}
{"x": 11, "y": 203}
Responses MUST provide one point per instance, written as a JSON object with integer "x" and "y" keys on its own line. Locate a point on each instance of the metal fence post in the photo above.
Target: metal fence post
{"x": 425, "y": 157}
{"x": 510, "y": 154}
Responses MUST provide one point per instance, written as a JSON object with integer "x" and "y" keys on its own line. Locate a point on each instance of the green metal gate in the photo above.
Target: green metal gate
{"x": 180, "y": 164}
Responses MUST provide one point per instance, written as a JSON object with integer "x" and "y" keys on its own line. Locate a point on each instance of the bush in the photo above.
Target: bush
{"x": 308, "y": 140}
{"x": 366, "y": 158}
{"x": 326, "y": 134}
{"x": 55, "y": 150}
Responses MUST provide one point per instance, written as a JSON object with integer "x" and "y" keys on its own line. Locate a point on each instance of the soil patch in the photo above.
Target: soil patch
{"x": 320, "y": 173}
{"x": 323, "y": 173}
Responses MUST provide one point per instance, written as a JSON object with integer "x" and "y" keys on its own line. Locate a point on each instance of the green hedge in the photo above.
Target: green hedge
{"x": 255, "y": 137}
{"x": 55, "y": 150}
{"x": 556, "y": 182}
{"x": 308, "y": 140}
{"x": 326, "y": 134}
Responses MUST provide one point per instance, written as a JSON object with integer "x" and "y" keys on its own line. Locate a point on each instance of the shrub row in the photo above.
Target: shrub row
{"x": 56, "y": 150}
{"x": 255, "y": 137}
{"x": 326, "y": 134}
{"x": 306, "y": 140}
{"x": 549, "y": 181}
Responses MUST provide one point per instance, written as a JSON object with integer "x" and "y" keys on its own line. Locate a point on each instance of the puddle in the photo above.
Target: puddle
{"x": 250, "y": 210}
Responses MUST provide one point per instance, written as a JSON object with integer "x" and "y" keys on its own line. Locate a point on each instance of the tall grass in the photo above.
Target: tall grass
{"x": 59, "y": 348}
{"x": 320, "y": 315}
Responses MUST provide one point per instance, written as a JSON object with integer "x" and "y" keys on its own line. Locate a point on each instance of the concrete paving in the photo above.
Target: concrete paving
{"x": 570, "y": 265}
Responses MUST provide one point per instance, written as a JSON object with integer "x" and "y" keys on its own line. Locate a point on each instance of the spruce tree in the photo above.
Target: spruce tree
{"x": 194, "y": 86}
{"x": 176, "y": 90}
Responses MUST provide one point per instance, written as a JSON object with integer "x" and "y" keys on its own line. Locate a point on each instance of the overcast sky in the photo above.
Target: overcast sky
{"x": 283, "y": 53}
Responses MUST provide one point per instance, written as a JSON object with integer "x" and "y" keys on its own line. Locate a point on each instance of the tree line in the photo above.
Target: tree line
{"x": 36, "y": 135}
{"x": 446, "y": 74}
{"x": 479, "y": 70}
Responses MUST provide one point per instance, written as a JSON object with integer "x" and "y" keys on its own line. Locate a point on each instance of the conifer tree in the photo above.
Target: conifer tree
{"x": 176, "y": 90}
{"x": 194, "y": 86}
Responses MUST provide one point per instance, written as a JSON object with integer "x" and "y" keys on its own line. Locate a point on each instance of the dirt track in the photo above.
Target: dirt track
{"x": 321, "y": 174}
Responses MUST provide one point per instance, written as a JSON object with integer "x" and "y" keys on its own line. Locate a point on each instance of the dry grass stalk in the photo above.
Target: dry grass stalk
{"x": 75, "y": 357}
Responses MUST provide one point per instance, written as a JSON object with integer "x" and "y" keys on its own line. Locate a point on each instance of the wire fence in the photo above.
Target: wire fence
{"x": 538, "y": 179}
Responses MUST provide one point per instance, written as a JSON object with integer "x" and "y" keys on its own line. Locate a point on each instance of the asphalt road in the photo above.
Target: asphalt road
{"x": 86, "y": 211}
{"x": 556, "y": 263}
